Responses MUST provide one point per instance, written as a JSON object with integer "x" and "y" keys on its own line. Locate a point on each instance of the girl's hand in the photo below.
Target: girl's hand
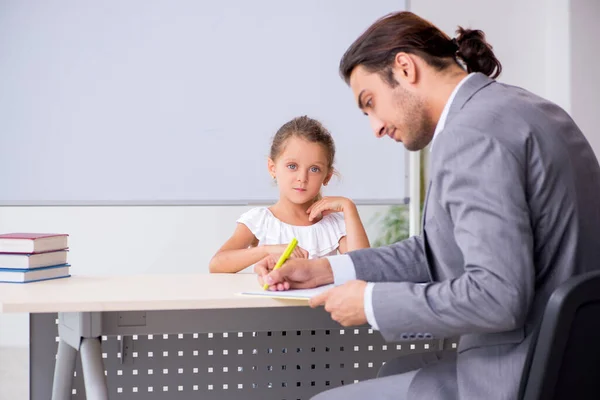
{"x": 278, "y": 249}
{"x": 328, "y": 205}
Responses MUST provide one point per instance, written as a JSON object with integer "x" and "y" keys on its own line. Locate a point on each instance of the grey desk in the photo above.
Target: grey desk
{"x": 187, "y": 337}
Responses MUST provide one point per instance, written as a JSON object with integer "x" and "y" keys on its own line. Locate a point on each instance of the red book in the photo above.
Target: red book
{"x": 29, "y": 243}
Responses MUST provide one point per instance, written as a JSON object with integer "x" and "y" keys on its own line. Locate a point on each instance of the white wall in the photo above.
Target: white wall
{"x": 585, "y": 80}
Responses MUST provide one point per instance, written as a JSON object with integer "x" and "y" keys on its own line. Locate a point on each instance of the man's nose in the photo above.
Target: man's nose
{"x": 377, "y": 125}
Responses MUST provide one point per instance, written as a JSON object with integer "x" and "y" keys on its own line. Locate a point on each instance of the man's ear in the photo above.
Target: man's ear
{"x": 271, "y": 167}
{"x": 405, "y": 68}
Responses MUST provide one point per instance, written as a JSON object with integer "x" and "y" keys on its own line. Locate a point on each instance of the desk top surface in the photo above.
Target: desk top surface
{"x": 136, "y": 293}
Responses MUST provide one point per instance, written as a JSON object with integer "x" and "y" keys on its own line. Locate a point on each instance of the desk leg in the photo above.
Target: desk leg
{"x": 80, "y": 331}
{"x": 93, "y": 369}
{"x": 63, "y": 372}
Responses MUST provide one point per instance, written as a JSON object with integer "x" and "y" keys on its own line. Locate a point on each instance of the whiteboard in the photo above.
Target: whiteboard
{"x": 175, "y": 102}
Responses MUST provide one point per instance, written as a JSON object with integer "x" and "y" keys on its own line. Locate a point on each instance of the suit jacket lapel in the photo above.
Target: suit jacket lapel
{"x": 473, "y": 85}
{"x": 464, "y": 94}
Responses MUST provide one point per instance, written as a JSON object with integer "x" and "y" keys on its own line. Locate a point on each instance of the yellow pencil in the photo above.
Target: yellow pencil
{"x": 284, "y": 257}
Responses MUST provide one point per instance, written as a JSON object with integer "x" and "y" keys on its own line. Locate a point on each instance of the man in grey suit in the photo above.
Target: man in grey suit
{"x": 512, "y": 210}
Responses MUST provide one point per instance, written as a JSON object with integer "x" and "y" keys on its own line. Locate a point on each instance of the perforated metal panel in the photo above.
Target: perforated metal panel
{"x": 291, "y": 364}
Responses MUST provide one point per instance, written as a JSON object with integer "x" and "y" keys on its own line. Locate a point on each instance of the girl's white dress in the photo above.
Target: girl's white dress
{"x": 320, "y": 239}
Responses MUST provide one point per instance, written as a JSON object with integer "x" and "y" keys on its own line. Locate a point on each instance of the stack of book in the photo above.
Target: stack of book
{"x": 30, "y": 257}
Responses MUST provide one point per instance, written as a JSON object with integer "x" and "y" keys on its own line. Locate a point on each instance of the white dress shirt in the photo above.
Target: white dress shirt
{"x": 342, "y": 265}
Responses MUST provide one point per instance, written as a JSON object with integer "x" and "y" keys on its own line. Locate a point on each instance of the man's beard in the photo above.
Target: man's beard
{"x": 418, "y": 127}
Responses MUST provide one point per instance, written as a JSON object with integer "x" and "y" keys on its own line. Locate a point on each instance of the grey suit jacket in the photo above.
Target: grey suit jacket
{"x": 512, "y": 210}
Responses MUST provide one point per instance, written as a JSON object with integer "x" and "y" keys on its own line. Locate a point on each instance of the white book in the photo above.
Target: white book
{"x": 25, "y": 261}
{"x": 292, "y": 294}
{"x": 34, "y": 275}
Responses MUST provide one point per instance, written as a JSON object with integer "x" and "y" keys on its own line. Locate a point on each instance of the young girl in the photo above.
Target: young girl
{"x": 300, "y": 162}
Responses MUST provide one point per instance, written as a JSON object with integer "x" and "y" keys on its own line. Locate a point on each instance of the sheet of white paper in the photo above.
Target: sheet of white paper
{"x": 303, "y": 294}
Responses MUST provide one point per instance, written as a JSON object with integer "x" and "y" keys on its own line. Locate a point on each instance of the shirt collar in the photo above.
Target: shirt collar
{"x": 442, "y": 122}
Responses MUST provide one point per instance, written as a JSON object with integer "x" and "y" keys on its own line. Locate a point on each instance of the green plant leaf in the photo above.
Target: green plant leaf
{"x": 393, "y": 225}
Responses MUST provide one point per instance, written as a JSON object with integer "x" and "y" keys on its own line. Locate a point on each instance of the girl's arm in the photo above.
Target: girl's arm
{"x": 236, "y": 254}
{"x": 241, "y": 251}
{"x": 356, "y": 236}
